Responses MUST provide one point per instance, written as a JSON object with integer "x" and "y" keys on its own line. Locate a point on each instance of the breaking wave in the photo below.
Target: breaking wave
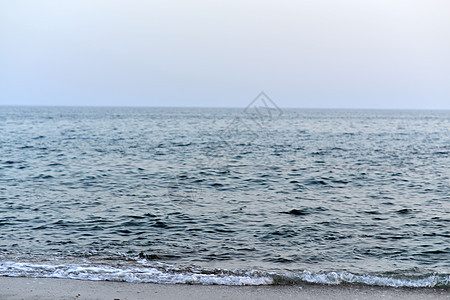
{"x": 166, "y": 274}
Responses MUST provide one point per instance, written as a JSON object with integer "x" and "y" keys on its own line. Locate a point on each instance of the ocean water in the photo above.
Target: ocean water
{"x": 226, "y": 196}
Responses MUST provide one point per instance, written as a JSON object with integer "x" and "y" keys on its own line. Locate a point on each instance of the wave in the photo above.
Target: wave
{"x": 166, "y": 274}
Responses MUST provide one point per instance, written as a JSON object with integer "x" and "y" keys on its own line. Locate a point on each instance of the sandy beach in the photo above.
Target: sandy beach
{"x": 49, "y": 288}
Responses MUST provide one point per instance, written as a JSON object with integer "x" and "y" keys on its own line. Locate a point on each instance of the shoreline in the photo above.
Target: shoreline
{"x": 55, "y": 288}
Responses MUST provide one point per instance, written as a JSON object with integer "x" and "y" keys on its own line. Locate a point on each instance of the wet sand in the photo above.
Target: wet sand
{"x": 50, "y": 288}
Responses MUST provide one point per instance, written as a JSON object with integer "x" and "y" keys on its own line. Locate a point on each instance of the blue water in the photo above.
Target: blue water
{"x": 226, "y": 196}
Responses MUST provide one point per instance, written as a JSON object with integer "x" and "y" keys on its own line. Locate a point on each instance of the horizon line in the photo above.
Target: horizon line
{"x": 216, "y": 107}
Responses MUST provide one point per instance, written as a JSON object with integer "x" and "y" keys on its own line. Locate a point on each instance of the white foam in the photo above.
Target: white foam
{"x": 148, "y": 274}
{"x": 335, "y": 278}
{"x": 169, "y": 274}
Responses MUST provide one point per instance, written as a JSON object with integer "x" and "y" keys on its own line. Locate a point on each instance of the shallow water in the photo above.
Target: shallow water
{"x": 225, "y": 196}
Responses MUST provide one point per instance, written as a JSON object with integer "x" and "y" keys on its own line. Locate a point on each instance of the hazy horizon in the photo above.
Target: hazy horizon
{"x": 224, "y": 107}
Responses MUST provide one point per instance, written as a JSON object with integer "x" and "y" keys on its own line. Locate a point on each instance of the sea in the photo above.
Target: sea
{"x": 258, "y": 195}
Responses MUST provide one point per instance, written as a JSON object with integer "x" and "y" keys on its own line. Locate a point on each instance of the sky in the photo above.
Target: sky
{"x": 385, "y": 54}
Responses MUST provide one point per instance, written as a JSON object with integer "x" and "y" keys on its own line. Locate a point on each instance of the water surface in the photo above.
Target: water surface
{"x": 219, "y": 196}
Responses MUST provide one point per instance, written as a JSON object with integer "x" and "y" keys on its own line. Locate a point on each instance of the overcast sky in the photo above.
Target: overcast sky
{"x": 316, "y": 53}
